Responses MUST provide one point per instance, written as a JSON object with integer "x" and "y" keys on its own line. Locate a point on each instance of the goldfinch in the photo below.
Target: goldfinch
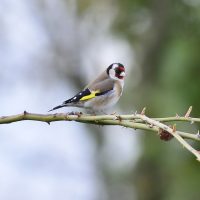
{"x": 101, "y": 93}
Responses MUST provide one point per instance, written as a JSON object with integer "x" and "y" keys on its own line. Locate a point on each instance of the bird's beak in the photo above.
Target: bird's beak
{"x": 122, "y": 74}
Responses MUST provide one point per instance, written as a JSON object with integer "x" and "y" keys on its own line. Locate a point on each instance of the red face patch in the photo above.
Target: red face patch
{"x": 118, "y": 72}
{"x": 122, "y": 69}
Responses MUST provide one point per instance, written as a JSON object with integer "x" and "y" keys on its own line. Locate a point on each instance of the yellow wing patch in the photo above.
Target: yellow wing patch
{"x": 90, "y": 96}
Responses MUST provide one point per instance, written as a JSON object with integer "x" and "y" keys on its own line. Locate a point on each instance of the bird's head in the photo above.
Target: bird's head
{"x": 116, "y": 71}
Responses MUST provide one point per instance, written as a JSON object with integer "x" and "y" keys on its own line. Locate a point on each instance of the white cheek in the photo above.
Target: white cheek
{"x": 112, "y": 73}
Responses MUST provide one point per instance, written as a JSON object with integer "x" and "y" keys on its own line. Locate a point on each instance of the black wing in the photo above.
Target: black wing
{"x": 78, "y": 96}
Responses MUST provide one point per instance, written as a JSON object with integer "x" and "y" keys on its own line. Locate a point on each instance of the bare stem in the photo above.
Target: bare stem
{"x": 68, "y": 117}
{"x": 171, "y": 131}
{"x": 134, "y": 121}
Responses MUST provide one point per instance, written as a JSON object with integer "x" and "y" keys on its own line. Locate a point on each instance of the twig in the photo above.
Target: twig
{"x": 129, "y": 121}
{"x": 171, "y": 131}
{"x": 62, "y": 116}
{"x": 135, "y": 121}
{"x": 188, "y": 112}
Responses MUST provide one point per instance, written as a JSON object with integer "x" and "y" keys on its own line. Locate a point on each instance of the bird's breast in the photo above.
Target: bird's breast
{"x": 118, "y": 87}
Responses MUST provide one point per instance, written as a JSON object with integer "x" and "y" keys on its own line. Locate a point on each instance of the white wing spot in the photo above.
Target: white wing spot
{"x": 75, "y": 98}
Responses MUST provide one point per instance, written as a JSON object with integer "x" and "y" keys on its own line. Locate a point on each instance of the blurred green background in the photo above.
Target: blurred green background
{"x": 50, "y": 49}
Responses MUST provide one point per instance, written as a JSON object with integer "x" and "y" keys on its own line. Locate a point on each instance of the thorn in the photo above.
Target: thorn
{"x": 114, "y": 113}
{"x": 198, "y": 134}
{"x": 150, "y": 125}
{"x": 48, "y": 123}
{"x": 25, "y": 112}
{"x": 143, "y": 111}
{"x": 187, "y": 114}
{"x": 177, "y": 115}
{"x": 119, "y": 118}
{"x": 78, "y": 114}
{"x": 192, "y": 122}
{"x": 174, "y": 128}
{"x": 135, "y": 112}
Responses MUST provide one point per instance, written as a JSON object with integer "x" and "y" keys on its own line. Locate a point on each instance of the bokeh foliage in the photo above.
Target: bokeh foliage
{"x": 165, "y": 36}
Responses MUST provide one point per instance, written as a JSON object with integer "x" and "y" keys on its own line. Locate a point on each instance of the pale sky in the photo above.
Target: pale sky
{"x": 38, "y": 161}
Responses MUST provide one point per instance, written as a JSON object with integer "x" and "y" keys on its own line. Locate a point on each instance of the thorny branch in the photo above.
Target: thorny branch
{"x": 134, "y": 121}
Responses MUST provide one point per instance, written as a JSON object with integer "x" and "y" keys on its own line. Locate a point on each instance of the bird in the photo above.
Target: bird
{"x": 101, "y": 93}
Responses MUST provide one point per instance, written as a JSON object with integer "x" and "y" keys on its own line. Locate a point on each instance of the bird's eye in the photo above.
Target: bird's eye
{"x": 118, "y": 71}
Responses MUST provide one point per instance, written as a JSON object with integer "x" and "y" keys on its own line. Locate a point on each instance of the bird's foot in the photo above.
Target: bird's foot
{"x": 74, "y": 113}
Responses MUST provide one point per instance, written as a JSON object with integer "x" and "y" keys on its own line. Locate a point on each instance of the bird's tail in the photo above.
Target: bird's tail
{"x": 57, "y": 107}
